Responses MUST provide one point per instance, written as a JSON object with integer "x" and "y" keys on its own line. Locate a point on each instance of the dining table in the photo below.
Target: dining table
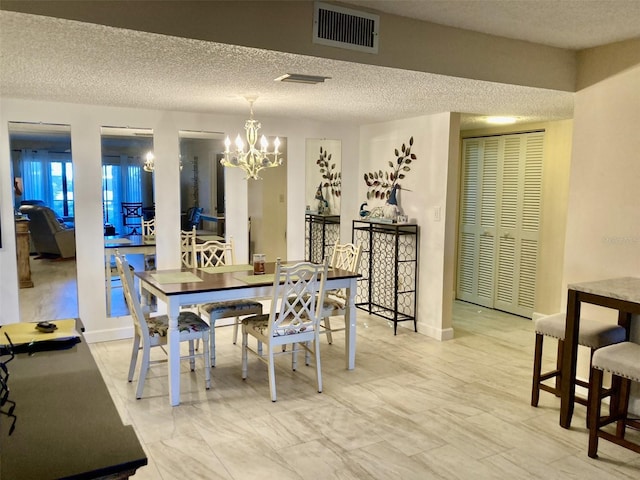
{"x": 621, "y": 294}
{"x": 191, "y": 286}
{"x": 133, "y": 244}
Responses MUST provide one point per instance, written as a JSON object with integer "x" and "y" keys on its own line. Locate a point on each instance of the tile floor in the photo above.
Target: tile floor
{"x": 414, "y": 408}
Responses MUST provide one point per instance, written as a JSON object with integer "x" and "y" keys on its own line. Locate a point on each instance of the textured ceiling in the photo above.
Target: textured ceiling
{"x": 572, "y": 24}
{"x": 53, "y": 59}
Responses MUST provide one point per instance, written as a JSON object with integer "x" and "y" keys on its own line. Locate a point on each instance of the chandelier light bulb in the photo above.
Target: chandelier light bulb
{"x": 263, "y": 144}
{"x": 239, "y": 144}
{"x": 227, "y": 144}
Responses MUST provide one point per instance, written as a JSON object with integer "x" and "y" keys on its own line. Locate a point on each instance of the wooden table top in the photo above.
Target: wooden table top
{"x": 209, "y": 280}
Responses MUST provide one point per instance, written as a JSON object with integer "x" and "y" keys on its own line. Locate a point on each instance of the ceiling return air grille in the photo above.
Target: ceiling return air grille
{"x": 345, "y": 28}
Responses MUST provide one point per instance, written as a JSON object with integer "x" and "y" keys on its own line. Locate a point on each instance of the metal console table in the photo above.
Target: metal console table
{"x": 388, "y": 286}
{"x": 321, "y": 232}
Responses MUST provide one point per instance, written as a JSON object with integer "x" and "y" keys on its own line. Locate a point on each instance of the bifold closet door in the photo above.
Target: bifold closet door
{"x": 499, "y": 221}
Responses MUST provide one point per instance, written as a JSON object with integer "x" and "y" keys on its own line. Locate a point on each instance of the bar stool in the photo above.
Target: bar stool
{"x": 623, "y": 362}
{"x": 593, "y": 334}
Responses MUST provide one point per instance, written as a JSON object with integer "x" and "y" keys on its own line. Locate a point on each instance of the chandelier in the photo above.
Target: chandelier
{"x": 251, "y": 160}
{"x": 149, "y": 162}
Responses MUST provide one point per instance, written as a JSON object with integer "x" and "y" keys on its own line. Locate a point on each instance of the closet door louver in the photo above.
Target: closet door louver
{"x": 499, "y": 222}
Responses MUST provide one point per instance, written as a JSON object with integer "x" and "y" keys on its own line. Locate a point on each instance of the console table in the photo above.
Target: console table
{"x": 67, "y": 426}
{"x": 322, "y": 232}
{"x": 388, "y": 267}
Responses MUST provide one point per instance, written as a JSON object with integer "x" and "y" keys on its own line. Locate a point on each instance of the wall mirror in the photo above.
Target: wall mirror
{"x": 323, "y": 190}
{"x": 267, "y": 203}
{"x": 323, "y": 178}
{"x": 202, "y": 199}
{"x": 127, "y": 200}
{"x": 42, "y": 167}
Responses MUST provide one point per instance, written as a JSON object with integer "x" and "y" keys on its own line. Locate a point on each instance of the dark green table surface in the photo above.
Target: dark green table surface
{"x": 67, "y": 424}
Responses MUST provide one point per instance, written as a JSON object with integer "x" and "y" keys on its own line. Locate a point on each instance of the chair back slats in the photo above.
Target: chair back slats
{"x": 187, "y": 244}
{"x": 346, "y": 256}
{"x": 213, "y": 254}
{"x": 297, "y": 296}
{"x": 149, "y": 228}
{"x": 131, "y": 297}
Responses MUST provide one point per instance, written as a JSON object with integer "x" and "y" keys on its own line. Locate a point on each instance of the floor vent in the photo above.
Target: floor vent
{"x": 345, "y": 28}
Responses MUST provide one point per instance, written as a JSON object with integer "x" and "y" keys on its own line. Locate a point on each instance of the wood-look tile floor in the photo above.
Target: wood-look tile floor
{"x": 414, "y": 408}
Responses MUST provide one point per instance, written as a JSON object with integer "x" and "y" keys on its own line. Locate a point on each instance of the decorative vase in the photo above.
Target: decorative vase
{"x": 391, "y": 209}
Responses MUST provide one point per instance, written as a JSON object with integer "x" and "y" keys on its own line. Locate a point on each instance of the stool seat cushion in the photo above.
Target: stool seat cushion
{"x": 592, "y": 334}
{"x": 622, "y": 359}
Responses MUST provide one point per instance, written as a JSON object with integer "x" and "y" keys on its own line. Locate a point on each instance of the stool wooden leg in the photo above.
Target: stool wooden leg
{"x": 623, "y": 407}
{"x": 559, "y": 366}
{"x": 537, "y": 369}
{"x": 594, "y": 411}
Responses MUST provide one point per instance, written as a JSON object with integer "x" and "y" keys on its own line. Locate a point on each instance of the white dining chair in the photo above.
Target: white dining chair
{"x": 345, "y": 257}
{"x": 187, "y": 244}
{"x": 149, "y": 234}
{"x": 293, "y": 320}
{"x": 216, "y": 254}
{"x": 152, "y": 332}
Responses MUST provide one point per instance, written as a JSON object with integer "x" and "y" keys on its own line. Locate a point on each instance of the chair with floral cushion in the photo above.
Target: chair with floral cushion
{"x": 345, "y": 257}
{"x": 294, "y": 319}
{"x": 215, "y": 254}
{"x": 152, "y": 331}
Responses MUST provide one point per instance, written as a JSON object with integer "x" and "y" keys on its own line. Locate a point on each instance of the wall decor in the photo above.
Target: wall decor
{"x": 385, "y": 185}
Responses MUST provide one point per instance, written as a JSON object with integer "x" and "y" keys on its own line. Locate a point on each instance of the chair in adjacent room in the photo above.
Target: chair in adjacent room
{"x": 215, "y": 254}
{"x": 622, "y": 360}
{"x": 132, "y": 217}
{"x": 593, "y": 334}
{"x": 345, "y": 257}
{"x": 148, "y": 235}
{"x": 50, "y": 235}
{"x": 152, "y": 332}
{"x": 294, "y": 319}
{"x": 192, "y": 218}
{"x": 187, "y": 243}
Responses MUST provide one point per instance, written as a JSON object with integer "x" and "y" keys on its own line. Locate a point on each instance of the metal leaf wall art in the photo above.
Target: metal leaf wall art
{"x": 380, "y": 184}
{"x": 331, "y": 177}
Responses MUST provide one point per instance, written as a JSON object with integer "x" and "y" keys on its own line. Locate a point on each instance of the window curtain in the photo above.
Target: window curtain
{"x": 121, "y": 182}
{"x": 36, "y": 176}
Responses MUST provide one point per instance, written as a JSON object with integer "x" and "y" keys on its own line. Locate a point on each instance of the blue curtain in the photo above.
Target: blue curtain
{"x": 121, "y": 182}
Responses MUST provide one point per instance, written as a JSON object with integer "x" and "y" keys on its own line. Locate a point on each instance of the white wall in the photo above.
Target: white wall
{"x": 85, "y": 122}
{"x": 603, "y": 224}
{"x": 430, "y": 185}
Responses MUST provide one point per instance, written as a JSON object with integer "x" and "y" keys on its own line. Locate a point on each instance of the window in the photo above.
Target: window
{"x": 48, "y": 177}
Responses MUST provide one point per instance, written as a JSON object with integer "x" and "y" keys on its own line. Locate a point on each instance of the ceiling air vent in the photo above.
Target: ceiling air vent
{"x": 345, "y": 28}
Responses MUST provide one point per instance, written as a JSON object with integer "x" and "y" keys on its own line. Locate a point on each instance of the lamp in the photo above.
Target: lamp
{"x": 149, "y": 162}
{"x": 252, "y": 160}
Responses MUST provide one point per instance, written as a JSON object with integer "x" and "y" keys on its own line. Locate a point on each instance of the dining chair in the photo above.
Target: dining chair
{"x": 345, "y": 257}
{"x": 593, "y": 334}
{"x": 187, "y": 243}
{"x": 622, "y": 361}
{"x": 149, "y": 233}
{"x": 152, "y": 332}
{"x": 215, "y": 254}
{"x": 293, "y": 320}
{"x": 132, "y": 217}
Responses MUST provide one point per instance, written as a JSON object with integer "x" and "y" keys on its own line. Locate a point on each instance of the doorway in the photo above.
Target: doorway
{"x": 42, "y": 168}
{"x": 268, "y": 210}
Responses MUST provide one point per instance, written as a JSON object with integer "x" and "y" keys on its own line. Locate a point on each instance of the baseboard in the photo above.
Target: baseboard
{"x": 107, "y": 335}
{"x": 436, "y": 333}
